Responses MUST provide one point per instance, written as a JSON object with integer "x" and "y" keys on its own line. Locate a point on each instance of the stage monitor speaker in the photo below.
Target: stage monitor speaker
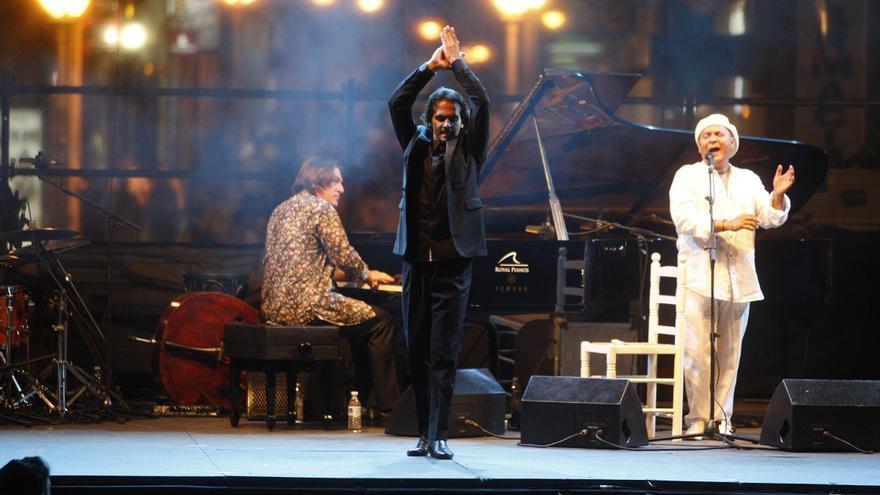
{"x": 477, "y": 396}
{"x": 556, "y": 407}
{"x": 806, "y": 415}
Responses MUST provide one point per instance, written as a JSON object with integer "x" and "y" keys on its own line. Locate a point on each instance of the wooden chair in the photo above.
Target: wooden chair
{"x": 653, "y": 348}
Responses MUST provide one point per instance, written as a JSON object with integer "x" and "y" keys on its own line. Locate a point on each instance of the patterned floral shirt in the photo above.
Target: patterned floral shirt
{"x": 305, "y": 242}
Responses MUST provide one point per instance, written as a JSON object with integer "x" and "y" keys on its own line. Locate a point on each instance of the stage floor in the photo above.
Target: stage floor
{"x": 208, "y": 452}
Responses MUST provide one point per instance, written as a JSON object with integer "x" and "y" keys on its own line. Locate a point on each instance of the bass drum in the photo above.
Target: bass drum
{"x": 16, "y": 312}
{"x": 196, "y": 376}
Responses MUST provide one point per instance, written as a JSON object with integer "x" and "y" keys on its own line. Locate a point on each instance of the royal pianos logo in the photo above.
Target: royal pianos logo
{"x": 509, "y": 264}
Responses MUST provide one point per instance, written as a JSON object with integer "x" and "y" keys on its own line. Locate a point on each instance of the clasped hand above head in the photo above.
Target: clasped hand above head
{"x": 449, "y": 50}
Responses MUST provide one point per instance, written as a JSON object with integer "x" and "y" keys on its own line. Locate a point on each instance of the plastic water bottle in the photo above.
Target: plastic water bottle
{"x": 354, "y": 413}
{"x": 298, "y": 405}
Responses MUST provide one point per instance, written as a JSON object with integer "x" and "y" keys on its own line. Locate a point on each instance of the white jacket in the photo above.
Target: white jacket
{"x": 735, "y": 276}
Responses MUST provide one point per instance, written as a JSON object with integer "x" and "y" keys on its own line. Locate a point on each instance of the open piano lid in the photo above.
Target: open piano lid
{"x": 603, "y": 163}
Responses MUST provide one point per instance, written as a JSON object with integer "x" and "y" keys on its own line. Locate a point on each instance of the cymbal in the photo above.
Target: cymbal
{"x": 35, "y": 235}
{"x": 11, "y": 260}
{"x": 57, "y": 246}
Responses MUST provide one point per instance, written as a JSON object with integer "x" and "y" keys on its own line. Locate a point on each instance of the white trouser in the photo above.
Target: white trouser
{"x": 732, "y": 320}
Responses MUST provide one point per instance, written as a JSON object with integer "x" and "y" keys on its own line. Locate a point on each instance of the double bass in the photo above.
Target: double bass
{"x": 188, "y": 355}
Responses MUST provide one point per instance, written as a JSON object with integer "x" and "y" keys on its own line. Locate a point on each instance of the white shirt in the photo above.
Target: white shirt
{"x": 735, "y": 276}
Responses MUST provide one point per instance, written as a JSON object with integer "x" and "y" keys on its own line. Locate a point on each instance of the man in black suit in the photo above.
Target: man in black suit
{"x": 440, "y": 229}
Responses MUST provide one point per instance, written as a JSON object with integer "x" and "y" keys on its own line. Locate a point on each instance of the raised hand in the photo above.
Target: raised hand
{"x": 783, "y": 182}
{"x": 451, "y": 46}
{"x": 438, "y": 60}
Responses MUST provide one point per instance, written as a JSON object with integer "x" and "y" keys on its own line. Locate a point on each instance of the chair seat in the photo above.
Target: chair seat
{"x": 648, "y": 379}
{"x": 621, "y": 347}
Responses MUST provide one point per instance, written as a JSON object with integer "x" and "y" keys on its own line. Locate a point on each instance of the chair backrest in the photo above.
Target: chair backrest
{"x": 564, "y": 291}
{"x": 676, "y": 299}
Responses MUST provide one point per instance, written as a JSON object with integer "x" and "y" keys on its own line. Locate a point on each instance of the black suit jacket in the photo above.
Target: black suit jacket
{"x": 463, "y": 162}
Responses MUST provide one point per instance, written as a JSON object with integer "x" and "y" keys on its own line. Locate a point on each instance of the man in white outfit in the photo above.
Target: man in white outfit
{"x": 741, "y": 205}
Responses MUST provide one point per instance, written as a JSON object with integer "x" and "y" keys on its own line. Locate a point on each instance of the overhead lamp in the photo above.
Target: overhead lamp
{"x": 430, "y": 30}
{"x": 132, "y": 36}
{"x": 370, "y": 6}
{"x": 65, "y": 9}
{"x": 477, "y": 54}
{"x": 553, "y": 19}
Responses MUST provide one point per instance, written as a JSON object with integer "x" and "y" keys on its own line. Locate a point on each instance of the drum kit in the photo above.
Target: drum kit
{"x": 43, "y": 305}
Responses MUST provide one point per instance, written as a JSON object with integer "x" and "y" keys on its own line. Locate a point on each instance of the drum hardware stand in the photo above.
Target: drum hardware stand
{"x": 63, "y": 366}
{"x": 104, "y": 371}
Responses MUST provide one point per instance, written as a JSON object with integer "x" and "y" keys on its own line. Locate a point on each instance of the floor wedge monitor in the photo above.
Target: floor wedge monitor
{"x": 556, "y": 408}
{"x": 823, "y": 415}
{"x": 477, "y": 397}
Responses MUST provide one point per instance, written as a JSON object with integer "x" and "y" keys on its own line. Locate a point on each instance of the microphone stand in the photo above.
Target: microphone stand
{"x": 712, "y": 425}
{"x": 636, "y": 231}
{"x": 41, "y": 163}
{"x": 712, "y": 431}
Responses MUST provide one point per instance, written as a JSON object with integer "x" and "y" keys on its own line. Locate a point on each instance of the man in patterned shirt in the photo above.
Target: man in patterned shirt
{"x": 306, "y": 246}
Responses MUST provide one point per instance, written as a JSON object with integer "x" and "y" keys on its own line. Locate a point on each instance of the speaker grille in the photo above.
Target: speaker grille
{"x": 256, "y": 395}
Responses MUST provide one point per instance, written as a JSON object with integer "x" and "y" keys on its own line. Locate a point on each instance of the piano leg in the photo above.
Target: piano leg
{"x": 270, "y": 397}
{"x": 235, "y": 381}
{"x": 328, "y": 380}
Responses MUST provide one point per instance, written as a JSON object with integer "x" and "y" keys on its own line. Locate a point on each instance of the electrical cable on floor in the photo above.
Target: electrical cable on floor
{"x": 582, "y": 433}
{"x": 670, "y": 449}
{"x": 828, "y": 434}
{"x": 473, "y": 423}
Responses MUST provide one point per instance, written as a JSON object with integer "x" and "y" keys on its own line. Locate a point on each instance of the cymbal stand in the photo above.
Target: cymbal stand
{"x": 41, "y": 164}
{"x": 63, "y": 366}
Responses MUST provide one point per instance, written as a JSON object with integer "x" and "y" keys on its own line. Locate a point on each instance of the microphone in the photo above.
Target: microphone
{"x": 40, "y": 162}
{"x": 710, "y": 160}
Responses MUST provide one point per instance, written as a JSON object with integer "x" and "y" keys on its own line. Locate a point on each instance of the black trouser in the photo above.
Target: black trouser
{"x": 434, "y": 301}
{"x": 372, "y": 350}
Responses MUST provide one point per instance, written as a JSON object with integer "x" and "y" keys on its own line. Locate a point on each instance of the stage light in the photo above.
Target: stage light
{"x": 511, "y": 8}
{"x": 430, "y": 30}
{"x": 553, "y": 19}
{"x": 132, "y": 36}
{"x": 370, "y": 6}
{"x": 323, "y": 3}
{"x": 236, "y": 3}
{"x": 536, "y": 4}
{"x": 61, "y": 9}
{"x": 110, "y": 35}
{"x": 477, "y": 54}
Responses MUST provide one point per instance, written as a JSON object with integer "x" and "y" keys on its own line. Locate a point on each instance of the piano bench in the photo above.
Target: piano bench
{"x": 275, "y": 349}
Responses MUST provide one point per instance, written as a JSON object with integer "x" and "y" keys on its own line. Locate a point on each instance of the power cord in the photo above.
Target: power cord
{"x": 582, "y": 433}
{"x": 473, "y": 423}
{"x": 828, "y": 434}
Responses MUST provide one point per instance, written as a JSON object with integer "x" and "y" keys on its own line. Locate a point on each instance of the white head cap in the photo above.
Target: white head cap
{"x": 717, "y": 119}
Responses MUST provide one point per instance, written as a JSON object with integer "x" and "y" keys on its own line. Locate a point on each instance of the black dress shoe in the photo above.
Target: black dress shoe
{"x": 420, "y": 450}
{"x": 439, "y": 449}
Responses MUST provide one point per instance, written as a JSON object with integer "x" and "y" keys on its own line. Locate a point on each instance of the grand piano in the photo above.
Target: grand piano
{"x": 565, "y": 153}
